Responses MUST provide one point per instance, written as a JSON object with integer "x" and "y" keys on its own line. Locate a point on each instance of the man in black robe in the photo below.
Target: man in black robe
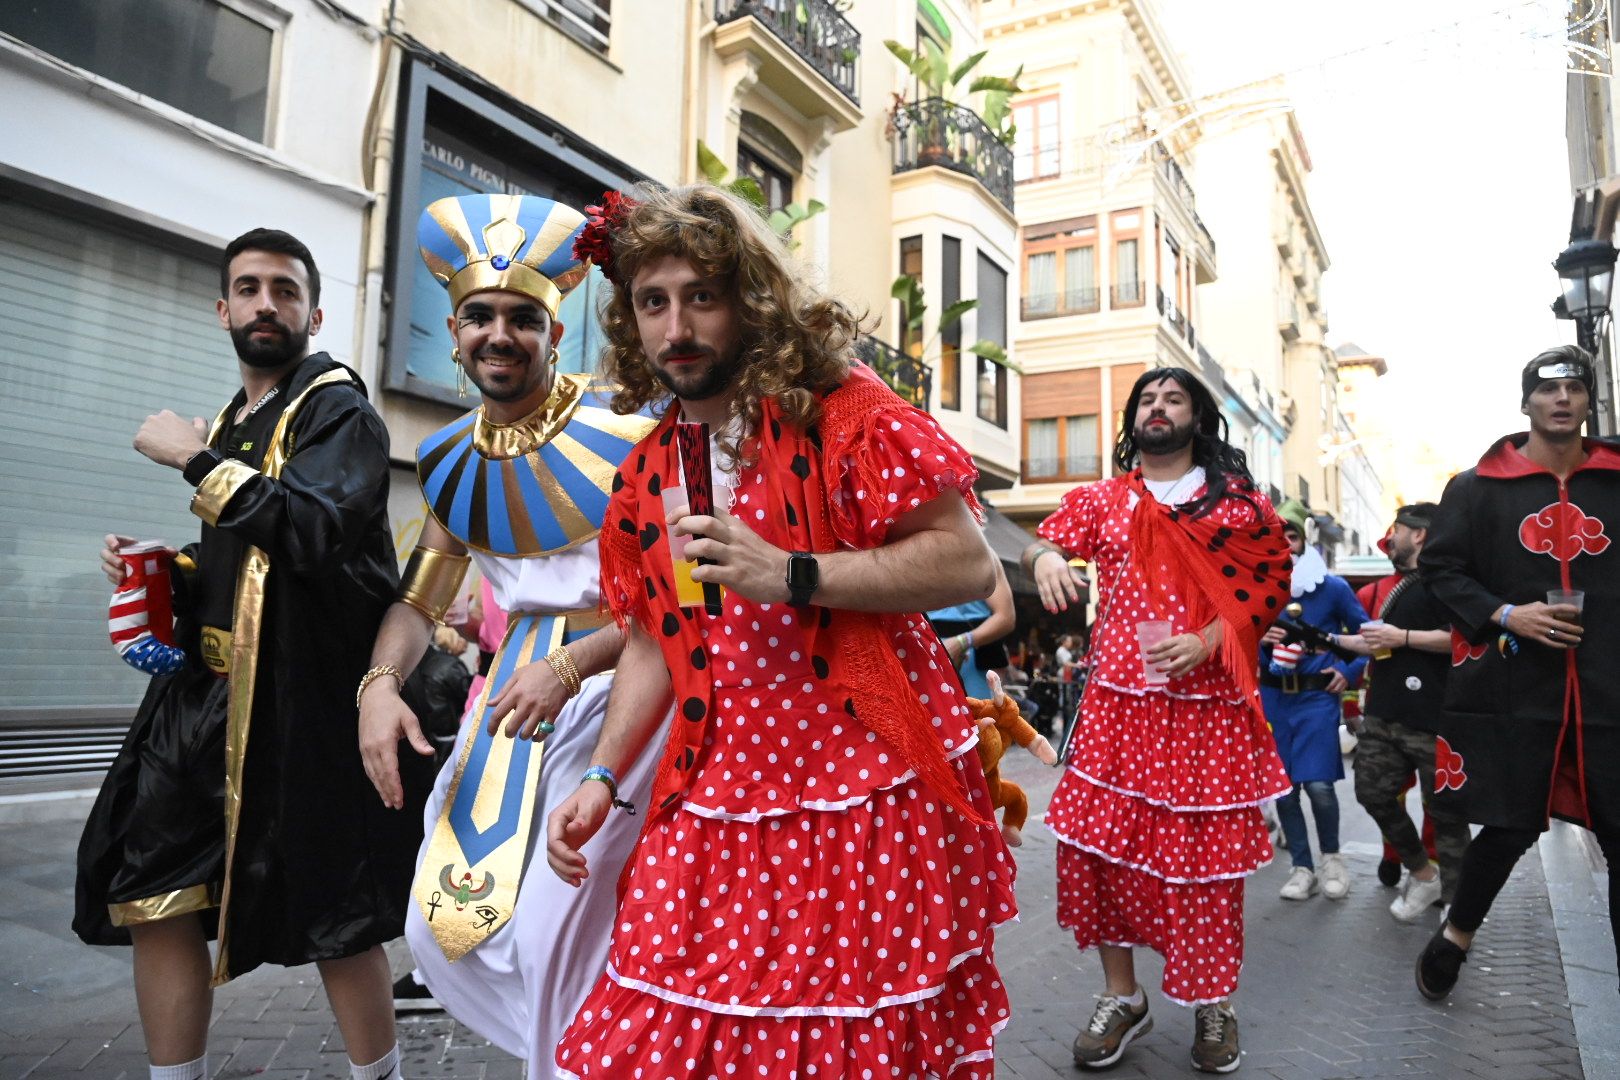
{"x": 1531, "y": 728}
{"x": 273, "y": 845}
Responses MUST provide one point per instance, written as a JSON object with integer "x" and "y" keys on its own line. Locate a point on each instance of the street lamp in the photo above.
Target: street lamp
{"x": 1586, "y": 277}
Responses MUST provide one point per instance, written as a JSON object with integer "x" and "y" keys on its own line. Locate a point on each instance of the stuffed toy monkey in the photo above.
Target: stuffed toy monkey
{"x": 1001, "y": 725}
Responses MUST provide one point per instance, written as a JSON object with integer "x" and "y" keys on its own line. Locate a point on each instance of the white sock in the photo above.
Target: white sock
{"x": 191, "y": 1070}
{"x": 1135, "y": 999}
{"x": 384, "y": 1068}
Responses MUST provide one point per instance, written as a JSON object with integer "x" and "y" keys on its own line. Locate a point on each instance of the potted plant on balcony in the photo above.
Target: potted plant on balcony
{"x": 938, "y": 84}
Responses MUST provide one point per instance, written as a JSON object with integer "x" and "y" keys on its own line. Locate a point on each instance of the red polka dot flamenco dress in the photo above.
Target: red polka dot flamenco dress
{"x": 809, "y": 907}
{"x": 1157, "y": 812}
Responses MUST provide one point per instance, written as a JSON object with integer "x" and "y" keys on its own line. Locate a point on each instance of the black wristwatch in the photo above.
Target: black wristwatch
{"x": 200, "y": 464}
{"x": 803, "y": 576}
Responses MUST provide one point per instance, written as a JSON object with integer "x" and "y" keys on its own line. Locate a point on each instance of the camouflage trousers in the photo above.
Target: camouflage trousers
{"x": 1386, "y": 756}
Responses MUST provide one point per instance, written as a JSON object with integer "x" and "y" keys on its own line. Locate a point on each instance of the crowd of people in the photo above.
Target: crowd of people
{"x": 717, "y": 801}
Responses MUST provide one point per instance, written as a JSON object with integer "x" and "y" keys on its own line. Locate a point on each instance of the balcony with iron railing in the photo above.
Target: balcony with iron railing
{"x": 935, "y": 132}
{"x": 906, "y": 375}
{"x": 1069, "y": 302}
{"x": 1179, "y": 183}
{"x": 814, "y": 29}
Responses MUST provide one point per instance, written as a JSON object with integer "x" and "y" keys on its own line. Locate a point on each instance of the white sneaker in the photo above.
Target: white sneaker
{"x": 1301, "y": 884}
{"x": 1335, "y": 877}
{"x": 1416, "y": 898}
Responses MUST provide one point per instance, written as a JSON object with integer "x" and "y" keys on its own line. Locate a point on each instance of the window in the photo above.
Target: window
{"x": 774, "y": 182}
{"x": 992, "y": 312}
{"x": 1170, "y": 279}
{"x": 910, "y": 340}
{"x": 950, "y": 340}
{"x": 1036, "y": 153}
{"x": 1060, "y": 268}
{"x": 1062, "y": 448}
{"x": 204, "y": 57}
{"x": 1126, "y": 227}
{"x": 470, "y": 145}
{"x": 586, "y": 21}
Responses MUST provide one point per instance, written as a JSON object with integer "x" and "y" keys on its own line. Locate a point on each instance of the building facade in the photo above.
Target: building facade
{"x": 136, "y": 140}
{"x": 339, "y": 120}
{"x": 1114, "y": 254}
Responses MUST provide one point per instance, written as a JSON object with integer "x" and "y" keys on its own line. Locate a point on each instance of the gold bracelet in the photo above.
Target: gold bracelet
{"x": 373, "y": 675}
{"x": 562, "y": 662}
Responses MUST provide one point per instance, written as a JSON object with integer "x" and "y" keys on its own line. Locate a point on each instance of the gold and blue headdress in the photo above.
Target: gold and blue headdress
{"x": 517, "y": 243}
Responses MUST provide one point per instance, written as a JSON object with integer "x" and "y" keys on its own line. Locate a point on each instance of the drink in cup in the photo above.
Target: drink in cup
{"x": 1381, "y": 654}
{"x": 1149, "y": 634}
{"x": 688, "y": 593}
{"x": 1575, "y": 598}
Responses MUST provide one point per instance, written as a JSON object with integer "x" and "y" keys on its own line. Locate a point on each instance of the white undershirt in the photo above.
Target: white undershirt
{"x": 1174, "y": 492}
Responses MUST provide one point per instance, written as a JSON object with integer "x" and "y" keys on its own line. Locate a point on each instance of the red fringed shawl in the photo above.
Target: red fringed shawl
{"x": 1237, "y": 575}
{"x": 858, "y": 660}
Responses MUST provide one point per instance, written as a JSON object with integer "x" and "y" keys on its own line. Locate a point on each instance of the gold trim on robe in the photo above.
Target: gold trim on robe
{"x": 246, "y": 625}
{"x": 152, "y": 909}
{"x": 217, "y": 488}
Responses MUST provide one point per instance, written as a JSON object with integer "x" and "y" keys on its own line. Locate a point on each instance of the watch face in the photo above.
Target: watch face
{"x": 802, "y": 572}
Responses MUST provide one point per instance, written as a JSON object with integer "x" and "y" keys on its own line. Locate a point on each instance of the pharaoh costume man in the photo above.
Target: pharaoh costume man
{"x": 239, "y": 793}
{"x": 507, "y": 947}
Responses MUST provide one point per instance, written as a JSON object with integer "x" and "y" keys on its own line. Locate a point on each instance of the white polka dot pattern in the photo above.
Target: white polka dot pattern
{"x": 1157, "y": 813}
{"x": 811, "y": 909}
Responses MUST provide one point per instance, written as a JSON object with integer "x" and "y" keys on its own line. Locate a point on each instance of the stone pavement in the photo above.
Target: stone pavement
{"x": 1327, "y": 988}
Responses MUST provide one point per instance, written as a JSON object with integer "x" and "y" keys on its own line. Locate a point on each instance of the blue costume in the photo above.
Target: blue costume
{"x": 1306, "y": 722}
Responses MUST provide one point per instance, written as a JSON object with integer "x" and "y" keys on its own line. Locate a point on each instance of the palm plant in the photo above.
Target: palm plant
{"x": 783, "y": 221}
{"x": 931, "y": 67}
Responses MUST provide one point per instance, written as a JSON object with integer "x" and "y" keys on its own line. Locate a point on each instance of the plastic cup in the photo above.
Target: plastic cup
{"x": 1149, "y": 634}
{"x": 1575, "y": 598}
{"x": 1381, "y": 654}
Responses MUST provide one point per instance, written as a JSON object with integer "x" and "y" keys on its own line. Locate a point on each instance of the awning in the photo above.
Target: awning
{"x": 1008, "y": 540}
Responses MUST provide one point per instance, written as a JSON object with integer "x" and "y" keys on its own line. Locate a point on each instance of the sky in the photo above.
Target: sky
{"x": 1440, "y": 183}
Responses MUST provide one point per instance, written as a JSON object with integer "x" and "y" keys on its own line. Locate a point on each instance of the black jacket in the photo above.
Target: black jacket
{"x": 1508, "y": 532}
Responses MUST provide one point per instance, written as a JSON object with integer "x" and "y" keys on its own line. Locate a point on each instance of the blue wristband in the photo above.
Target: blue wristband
{"x": 1507, "y": 609}
{"x": 605, "y": 774}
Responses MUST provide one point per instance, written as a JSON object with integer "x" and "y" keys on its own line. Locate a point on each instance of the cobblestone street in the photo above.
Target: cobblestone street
{"x": 1327, "y": 988}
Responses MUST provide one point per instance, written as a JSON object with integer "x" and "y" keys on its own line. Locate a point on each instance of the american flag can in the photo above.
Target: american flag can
{"x": 140, "y": 617}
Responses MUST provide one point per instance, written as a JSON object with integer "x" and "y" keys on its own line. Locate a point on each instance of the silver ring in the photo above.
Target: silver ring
{"x": 1552, "y": 633}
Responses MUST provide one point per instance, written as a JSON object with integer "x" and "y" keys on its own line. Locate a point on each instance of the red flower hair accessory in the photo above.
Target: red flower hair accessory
{"x": 595, "y": 240}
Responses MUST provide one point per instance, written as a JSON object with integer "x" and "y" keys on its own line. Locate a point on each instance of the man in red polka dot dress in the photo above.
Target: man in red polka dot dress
{"x": 817, "y": 885}
{"x": 1157, "y": 813}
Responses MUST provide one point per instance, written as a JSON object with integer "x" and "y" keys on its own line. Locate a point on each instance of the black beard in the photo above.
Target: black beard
{"x": 712, "y": 383}
{"x": 1163, "y": 440}
{"x": 273, "y": 353}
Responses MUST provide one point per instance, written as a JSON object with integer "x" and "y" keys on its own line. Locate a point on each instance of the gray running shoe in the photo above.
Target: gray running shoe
{"x": 1215, "y": 1041}
{"x": 1113, "y": 1026}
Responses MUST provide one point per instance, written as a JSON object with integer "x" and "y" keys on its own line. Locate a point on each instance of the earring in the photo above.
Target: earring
{"x": 555, "y": 358}
{"x": 461, "y": 372}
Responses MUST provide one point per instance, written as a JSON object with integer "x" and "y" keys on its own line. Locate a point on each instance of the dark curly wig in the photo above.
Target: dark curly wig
{"x": 796, "y": 341}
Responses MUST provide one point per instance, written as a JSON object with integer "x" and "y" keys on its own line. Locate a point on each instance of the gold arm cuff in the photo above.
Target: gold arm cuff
{"x": 218, "y": 487}
{"x": 432, "y": 581}
{"x": 167, "y": 906}
{"x": 562, "y": 663}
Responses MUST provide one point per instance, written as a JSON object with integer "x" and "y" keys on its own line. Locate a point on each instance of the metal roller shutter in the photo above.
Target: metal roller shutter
{"x": 98, "y": 329}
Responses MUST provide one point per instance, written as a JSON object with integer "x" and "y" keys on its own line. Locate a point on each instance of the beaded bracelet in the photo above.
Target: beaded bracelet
{"x": 605, "y": 774}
